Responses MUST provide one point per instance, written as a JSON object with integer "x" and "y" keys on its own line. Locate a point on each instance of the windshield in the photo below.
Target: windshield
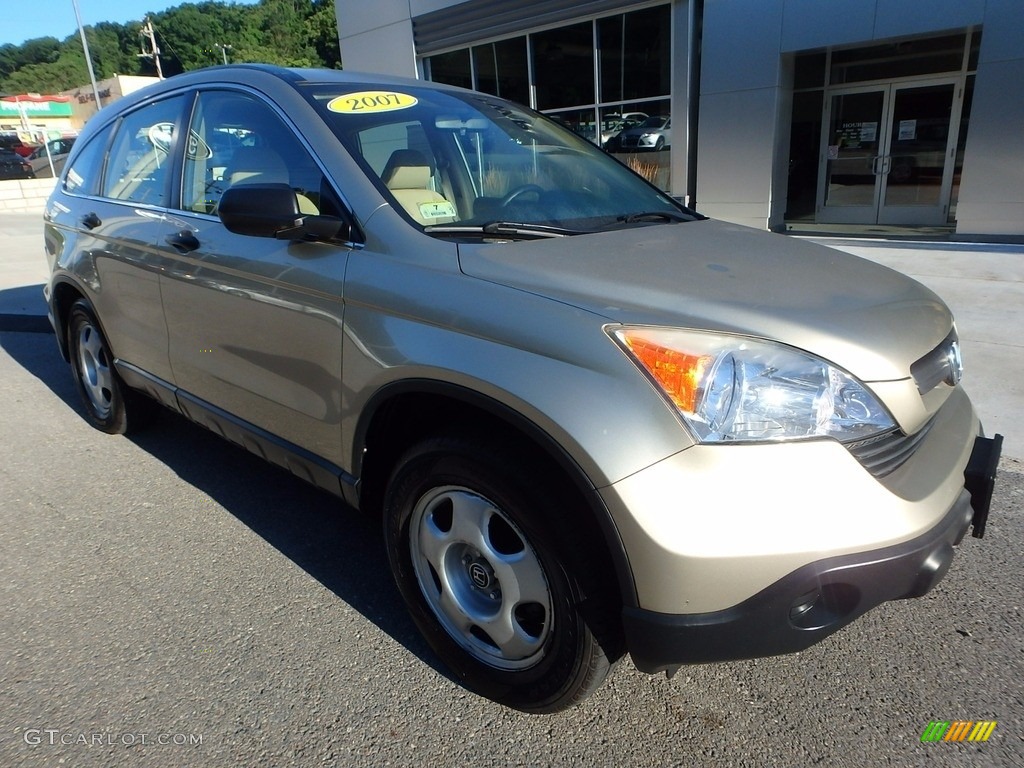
{"x": 461, "y": 160}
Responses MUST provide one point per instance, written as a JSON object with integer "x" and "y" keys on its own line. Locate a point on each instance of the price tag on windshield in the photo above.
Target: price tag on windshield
{"x": 366, "y": 102}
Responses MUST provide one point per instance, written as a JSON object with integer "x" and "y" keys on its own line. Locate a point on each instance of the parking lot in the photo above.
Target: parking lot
{"x": 172, "y": 588}
{"x": 173, "y": 601}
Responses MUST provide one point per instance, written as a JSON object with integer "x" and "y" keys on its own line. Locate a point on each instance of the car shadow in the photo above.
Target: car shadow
{"x": 340, "y": 547}
{"x": 23, "y": 310}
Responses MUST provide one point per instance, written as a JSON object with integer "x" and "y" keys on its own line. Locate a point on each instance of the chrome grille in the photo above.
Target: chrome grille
{"x": 886, "y": 453}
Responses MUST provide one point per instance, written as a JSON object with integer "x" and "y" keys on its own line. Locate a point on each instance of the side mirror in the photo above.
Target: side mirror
{"x": 272, "y": 210}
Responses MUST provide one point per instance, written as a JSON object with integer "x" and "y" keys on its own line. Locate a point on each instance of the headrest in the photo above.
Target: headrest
{"x": 407, "y": 169}
{"x": 257, "y": 165}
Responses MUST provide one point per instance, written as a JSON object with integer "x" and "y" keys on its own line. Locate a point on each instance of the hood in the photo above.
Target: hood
{"x": 868, "y": 319}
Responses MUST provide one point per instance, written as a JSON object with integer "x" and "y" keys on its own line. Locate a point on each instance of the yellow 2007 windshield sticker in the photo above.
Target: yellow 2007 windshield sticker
{"x": 366, "y": 102}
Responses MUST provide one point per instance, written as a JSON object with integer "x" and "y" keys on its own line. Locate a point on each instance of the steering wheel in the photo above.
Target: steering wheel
{"x": 518, "y": 192}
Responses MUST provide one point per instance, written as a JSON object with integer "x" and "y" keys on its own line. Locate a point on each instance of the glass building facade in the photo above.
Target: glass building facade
{"x": 602, "y": 78}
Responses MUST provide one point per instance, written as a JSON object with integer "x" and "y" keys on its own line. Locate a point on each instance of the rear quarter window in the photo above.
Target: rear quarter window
{"x": 83, "y": 176}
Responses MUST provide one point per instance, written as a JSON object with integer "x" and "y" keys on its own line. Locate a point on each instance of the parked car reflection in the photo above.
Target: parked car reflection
{"x": 653, "y": 133}
{"x": 614, "y": 125}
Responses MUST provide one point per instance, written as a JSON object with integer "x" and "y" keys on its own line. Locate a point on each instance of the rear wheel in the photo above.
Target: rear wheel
{"x": 109, "y": 405}
{"x": 491, "y": 578}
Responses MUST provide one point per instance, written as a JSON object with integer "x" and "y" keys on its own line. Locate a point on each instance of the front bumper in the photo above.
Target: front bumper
{"x": 819, "y": 598}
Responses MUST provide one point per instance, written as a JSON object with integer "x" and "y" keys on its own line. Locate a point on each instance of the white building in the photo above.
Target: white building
{"x": 784, "y": 112}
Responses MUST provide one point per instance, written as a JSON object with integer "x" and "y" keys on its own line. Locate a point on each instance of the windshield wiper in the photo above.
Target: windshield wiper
{"x": 635, "y": 218}
{"x": 503, "y": 229}
{"x": 525, "y": 228}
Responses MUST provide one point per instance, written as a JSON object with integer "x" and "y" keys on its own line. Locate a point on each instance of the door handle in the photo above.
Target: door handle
{"x": 91, "y": 221}
{"x": 182, "y": 242}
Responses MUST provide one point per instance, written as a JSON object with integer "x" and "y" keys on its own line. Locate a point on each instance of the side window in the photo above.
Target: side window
{"x": 139, "y": 161}
{"x": 83, "y": 176}
{"x": 235, "y": 138}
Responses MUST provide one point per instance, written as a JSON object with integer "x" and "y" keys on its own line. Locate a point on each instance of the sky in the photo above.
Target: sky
{"x": 21, "y": 21}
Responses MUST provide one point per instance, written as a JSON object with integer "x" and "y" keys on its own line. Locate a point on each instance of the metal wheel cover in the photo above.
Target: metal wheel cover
{"x": 94, "y": 369}
{"x": 481, "y": 578}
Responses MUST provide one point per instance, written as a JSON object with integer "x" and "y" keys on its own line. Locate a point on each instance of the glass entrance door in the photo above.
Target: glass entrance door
{"x": 888, "y": 154}
{"x": 848, "y": 193}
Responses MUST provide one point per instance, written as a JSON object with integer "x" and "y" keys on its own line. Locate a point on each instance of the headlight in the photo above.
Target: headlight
{"x": 731, "y": 388}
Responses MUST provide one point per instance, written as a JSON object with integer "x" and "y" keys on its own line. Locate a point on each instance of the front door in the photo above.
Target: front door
{"x": 254, "y": 324}
{"x": 888, "y": 153}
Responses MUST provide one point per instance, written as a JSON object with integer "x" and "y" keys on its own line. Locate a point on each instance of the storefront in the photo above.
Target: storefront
{"x": 83, "y": 98}
{"x": 866, "y": 113}
{"x": 34, "y": 118}
{"x": 878, "y": 132}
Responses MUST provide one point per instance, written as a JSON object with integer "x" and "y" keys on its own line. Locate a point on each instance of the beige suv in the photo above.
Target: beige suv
{"x": 592, "y": 421}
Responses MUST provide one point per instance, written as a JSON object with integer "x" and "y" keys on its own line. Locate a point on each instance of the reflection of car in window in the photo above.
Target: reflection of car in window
{"x": 654, "y": 133}
{"x": 615, "y": 124}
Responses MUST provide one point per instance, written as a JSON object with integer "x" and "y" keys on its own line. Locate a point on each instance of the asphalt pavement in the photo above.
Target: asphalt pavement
{"x": 170, "y": 600}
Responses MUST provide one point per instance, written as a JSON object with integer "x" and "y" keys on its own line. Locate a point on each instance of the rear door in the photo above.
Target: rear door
{"x": 114, "y": 206}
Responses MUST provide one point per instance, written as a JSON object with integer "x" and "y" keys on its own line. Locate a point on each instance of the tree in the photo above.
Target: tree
{"x": 50, "y": 77}
{"x": 40, "y": 50}
{"x": 322, "y": 31}
{"x": 113, "y": 49}
{"x": 297, "y": 33}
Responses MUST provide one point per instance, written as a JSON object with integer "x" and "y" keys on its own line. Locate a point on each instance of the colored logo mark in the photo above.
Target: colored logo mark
{"x": 958, "y": 730}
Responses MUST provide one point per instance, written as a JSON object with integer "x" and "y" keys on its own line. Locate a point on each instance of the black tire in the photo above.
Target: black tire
{"x": 110, "y": 405}
{"x": 659, "y": 144}
{"x": 482, "y": 555}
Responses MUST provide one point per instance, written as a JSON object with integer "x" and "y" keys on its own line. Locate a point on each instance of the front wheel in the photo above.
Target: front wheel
{"x": 491, "y": 580}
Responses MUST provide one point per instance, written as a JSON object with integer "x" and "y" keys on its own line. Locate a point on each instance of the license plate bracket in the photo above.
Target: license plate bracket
{"x": 980, "y": 479}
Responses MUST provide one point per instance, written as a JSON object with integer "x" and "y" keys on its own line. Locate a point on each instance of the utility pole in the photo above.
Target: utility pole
{"x": 224, "y": 50}
{"x": 147, "y": 31}
{"x": 88, "y": 57}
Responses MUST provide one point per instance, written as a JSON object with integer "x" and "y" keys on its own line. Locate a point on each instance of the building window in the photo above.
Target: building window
{"x": 635, "y": 54}
{"x": 599, "y": 78}
{"x": 501, "y": 69}
{"x": 889, "y": 61}
{"x": 563, "y": 66}
{"x": 451, "y": 68}
{"x": 804, "y": 142}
